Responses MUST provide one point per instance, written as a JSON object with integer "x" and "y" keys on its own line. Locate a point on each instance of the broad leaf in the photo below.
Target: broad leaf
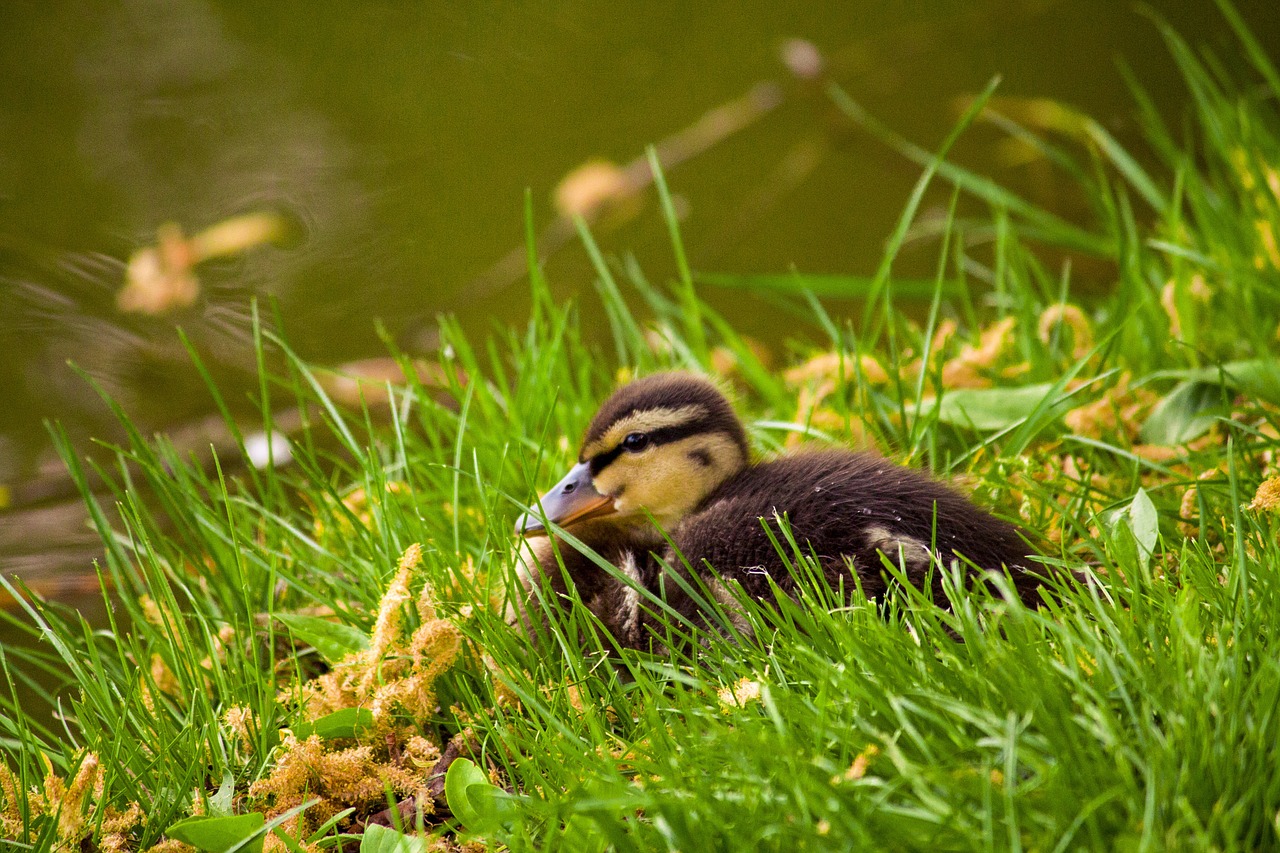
{"x": 1145, "y": 524}
{"x": 348, "y": 722}
{"x": 481, "y": 805}
{"x": 221, "y": 834}
{"x": 1188, "y": 412}
{"x": 382, "y": 839}
{"x": 1258, "y": 377}
{"x": 220, "y": 804}
{"x": 334, "y": 641}
{"x": 1135, "y": 530}
{"x": 988, "y": 409}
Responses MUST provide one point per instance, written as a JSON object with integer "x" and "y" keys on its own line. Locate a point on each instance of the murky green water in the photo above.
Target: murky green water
{"x": 401, "y": 137}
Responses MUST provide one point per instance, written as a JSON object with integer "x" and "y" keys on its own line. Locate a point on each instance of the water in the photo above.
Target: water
{"x": 399, "y": 140}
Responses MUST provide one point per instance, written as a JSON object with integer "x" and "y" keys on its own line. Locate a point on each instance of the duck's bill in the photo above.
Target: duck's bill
{"x": 572, "y": 499}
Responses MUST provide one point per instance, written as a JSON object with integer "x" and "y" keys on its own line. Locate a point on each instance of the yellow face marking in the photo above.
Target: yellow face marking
{"x": 666, "y": 480}
{"x": 645, "y": 421}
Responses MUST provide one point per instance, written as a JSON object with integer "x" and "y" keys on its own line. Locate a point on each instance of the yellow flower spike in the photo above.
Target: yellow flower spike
{"x": 356, "y": 501}
{"x": 394, "y": 679}
{"x": 116, "y": 827}
{"x": 426, "y": 603}
{"x": 1119, "y": 409}
{"x": 54, "y": 787}
{"x": 828, "y": 366}
{"x": 387, "y": 628}
{"x": 69, "y": 802}
{"x": 740, "y": 694}
{"x": 942, "y": 336}
{"x": 1087, "y": 662}
{"x": 10, "y": 814}
{"x": 1267, "y": 498}
{"x": 166, "y": 682}
{"x": 237, "y": 718}
{"x": 84, "y": 780}
{"x": 502, "y": 693}
{"x": 151, "y": 611}
{"x": 420, "y": 753}
{"x": 872, "y": 371}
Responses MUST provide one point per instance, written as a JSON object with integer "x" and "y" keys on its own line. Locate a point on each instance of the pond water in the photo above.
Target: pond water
{"x": 399, "y": 140}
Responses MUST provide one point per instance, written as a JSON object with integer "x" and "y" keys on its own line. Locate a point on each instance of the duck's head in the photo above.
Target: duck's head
{"x": 656, "y": 448}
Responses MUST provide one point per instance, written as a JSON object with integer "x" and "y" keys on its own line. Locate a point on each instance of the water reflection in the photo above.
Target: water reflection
{"x": 400, "y": 139}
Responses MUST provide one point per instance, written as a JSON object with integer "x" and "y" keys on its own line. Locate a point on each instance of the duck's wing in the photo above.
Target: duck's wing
{"x": 839, "y": 507}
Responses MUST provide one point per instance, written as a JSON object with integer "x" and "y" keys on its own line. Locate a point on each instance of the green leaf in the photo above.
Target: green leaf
{"x": 1255, "y": 377}
{"x": 333, "y": 640}
{"x": 382, "y": 839}
{"x": 220, "y": 804}
{"x": 1135, "y": 529}
{"x": 1144, "y": 521}
{"x": 221, "y": 834}
{"x": 988, "y": 409}
{"x": 1188, "y": 412}
{"x": 1192, "y": 406}
{"x": 481, "y": 805}
{"x": 462, "y": 775}
{"x": 349, "y": 722}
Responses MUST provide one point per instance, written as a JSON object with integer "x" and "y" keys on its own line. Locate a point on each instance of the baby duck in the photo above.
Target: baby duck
{"x": 671, "y": 448}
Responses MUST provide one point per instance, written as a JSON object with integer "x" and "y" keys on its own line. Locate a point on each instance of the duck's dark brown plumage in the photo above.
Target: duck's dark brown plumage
{"x": 841, "y": 505}
{"x": 671, "y": 448}
{"x": 669, "y": 391}
{"x": 557, "y": 564}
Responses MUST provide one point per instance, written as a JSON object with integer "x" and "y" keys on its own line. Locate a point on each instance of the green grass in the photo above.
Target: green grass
{"x": 1140, "y": 712}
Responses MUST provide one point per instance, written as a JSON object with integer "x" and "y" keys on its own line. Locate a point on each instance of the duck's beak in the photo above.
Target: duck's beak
{"x": 572, "y": 499}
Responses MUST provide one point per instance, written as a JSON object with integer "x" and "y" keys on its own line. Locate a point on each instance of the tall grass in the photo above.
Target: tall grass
{"x": 1129, "y": 432}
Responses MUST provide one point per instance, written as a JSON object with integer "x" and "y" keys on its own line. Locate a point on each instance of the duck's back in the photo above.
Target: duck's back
{"x": 843, "y": 505}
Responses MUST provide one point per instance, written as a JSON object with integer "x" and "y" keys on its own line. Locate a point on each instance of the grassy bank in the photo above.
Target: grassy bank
{"x": 298, "y": 643}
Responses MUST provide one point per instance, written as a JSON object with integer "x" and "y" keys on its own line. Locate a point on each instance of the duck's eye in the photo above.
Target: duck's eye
{"x": 635, "y": 442}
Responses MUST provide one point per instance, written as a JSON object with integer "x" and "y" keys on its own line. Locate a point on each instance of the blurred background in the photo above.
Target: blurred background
{"x": 365, "y": 164}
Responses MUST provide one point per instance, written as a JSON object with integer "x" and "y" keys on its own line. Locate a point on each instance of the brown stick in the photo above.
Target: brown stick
{"x": 713, "y": 127}
{"x": 403, "y": 811}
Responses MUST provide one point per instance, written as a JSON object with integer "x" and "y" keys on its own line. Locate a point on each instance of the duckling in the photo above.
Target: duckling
{"x": 669, "y": 449}
{"x": 548, "y": 565}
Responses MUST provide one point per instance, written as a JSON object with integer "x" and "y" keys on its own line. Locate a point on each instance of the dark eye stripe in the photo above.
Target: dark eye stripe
{"x": 661, "y": 435}
{"x": 603, "y": 460}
